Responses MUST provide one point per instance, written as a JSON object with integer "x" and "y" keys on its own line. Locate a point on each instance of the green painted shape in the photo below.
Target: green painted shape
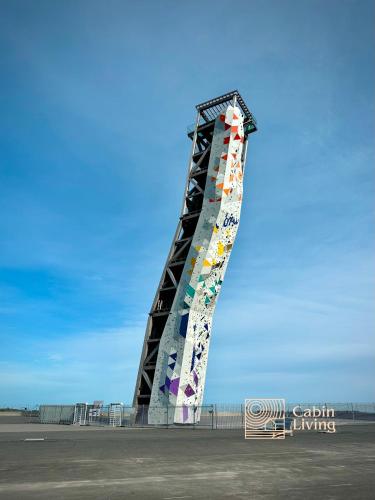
{"x": 190, "y": 291}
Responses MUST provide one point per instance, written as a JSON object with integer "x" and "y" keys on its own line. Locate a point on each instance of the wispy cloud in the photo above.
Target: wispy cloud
{"x": 311, "y": 337}
{"x": 93, "y": 166}
{"x": 81, "y": 367}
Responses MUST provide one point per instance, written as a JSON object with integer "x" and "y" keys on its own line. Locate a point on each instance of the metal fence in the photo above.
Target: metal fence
{"x": 56, "y": 414}
{"x": 215, "y": 416}
{"x": 117, "y": 415}
{"x": 342, "y": 411}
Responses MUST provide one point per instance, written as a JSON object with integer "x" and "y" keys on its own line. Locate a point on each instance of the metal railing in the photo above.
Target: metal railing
{"x": 56, "y": 414}
{"x": 215, "y": 416}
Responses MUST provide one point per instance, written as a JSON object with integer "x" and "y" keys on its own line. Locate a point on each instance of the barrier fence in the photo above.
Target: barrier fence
{"x": 215, "y": 416}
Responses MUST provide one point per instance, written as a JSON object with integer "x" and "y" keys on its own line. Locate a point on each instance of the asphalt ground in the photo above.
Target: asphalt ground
{"x": 171, "y": 464}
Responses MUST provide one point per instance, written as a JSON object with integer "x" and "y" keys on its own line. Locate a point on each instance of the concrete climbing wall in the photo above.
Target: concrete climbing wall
{"x": 182, "y": 359}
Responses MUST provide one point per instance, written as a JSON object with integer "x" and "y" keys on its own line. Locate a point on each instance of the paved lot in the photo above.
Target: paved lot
{"x": 171, "y": 464}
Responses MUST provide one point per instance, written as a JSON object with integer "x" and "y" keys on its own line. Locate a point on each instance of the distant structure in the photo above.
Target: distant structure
{"x": 173, "y": 363}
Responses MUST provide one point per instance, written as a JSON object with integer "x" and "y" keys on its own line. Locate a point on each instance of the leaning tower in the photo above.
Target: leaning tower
{"x": 173, "y": 364}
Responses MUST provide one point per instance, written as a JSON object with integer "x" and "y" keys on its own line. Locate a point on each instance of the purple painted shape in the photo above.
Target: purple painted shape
{"x": 173, "y": 388}
{"x": 162, "y": 388}
{"x": 189, "y": 391}
{"x": 192, "y": 360}
{"x": 167, "y": 382}
{"x": 195, "y": 376}
{"x": 185, "y": 413}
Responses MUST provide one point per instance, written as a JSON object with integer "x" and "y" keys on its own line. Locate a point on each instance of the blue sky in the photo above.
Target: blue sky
{"x": 95, "y": 101}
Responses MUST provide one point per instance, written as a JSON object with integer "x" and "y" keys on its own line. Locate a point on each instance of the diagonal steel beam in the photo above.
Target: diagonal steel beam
{"x": 182, "y": 248}
{"x": 147, "y": 379}
{"x": 196, "y": 166}
{"x": 171, "y": 275}
{"x": 155, "y": 349}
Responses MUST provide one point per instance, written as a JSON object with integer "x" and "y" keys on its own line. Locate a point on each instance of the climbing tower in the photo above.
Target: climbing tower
{"x": 173, "y": 364}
